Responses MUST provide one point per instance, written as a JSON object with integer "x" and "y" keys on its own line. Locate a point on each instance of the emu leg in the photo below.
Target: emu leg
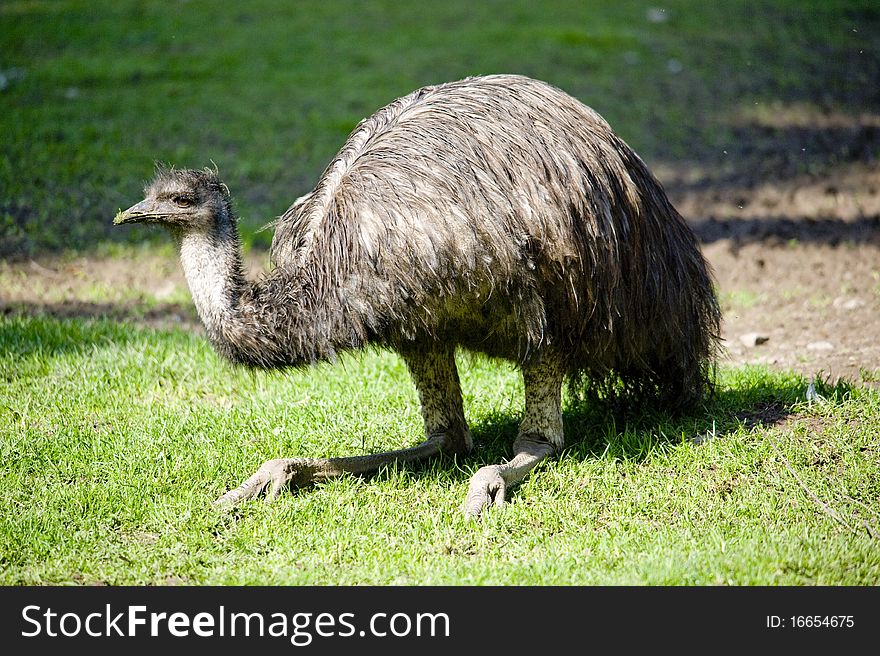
{"x": 540, "y": 435}
{"x": 436, "y": 378}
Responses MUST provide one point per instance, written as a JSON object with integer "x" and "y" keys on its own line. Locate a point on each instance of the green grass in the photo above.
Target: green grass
{"x": 115, "y": 439}
{"x": 93, "y": 92}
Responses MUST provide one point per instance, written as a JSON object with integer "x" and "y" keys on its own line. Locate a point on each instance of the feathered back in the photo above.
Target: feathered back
{"x": 501, "y": 214}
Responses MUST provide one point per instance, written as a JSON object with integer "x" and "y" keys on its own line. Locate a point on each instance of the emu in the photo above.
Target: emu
{"x": 496, "y": 214}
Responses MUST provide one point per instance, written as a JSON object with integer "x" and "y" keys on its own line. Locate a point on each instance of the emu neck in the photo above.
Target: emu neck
{"x": 212, "y": 266}
{"x": 266, "y": 324}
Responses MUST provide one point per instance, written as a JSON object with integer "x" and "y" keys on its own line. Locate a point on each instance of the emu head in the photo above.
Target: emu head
{"x": 183, "y": 200}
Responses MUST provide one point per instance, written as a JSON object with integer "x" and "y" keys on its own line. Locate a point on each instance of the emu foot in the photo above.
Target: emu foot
{"x": 487, "y": 488}
{"x": 490, "y": 484}
{"x": 273, "y": 475}
{"x": 299, "y": 472}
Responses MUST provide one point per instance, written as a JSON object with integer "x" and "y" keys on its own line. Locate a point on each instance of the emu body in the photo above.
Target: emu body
{"x": 497, "y": 214}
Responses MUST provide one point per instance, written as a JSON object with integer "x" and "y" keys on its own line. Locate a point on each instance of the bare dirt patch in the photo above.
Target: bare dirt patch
{"x": 796, "y": 254}
{"x": 814, "y": 302}
{"x": 143, "y": 287}
{"x": 815, "y": 307}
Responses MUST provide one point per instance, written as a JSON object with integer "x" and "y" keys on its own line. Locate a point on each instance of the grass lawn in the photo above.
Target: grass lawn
{"x": 94, "y": 92}
{"x": 115, "y": 437}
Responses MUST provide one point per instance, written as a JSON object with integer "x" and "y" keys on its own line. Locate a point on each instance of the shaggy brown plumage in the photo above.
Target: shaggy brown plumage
{"x": 494, "y": 213}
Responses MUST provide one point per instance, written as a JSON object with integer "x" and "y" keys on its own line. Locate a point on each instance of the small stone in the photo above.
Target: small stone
{"x": 656, "y": 15}
{"x": 674, "y": 66}
{"x": 751, "y": 340}
{"x": 820, "y": 346}
{"x": 845, "y": 303}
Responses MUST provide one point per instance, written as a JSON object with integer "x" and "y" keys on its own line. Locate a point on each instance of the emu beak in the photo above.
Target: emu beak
{"x": 146, "y": 210}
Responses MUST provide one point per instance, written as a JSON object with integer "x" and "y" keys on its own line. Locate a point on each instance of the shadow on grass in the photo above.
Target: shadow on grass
{"x": 780, "y": 230}
{"x": 592, "y": 431}
{"x": 24, "y": 334}
{"x": 153, "y": 315}
{"x": 595, "y": 431}
{"x": 599, "y": 432}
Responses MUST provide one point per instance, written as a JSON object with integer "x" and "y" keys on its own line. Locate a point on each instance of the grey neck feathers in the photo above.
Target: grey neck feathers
{"x": 275, "y": 322}
{"x": 213, "y": 269}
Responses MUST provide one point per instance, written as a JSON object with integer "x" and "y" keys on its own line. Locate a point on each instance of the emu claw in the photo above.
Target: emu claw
{"x": 487, "y": 488}
{"x": 274, "y": 475}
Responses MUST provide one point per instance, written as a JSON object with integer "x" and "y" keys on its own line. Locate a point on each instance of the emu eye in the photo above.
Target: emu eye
{"x": 183, "y": 201}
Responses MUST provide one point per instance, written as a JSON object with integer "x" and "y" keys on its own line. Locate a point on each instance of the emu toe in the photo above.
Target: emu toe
{"x": 487, "y": 488}
{"x": 273, "y": 475}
